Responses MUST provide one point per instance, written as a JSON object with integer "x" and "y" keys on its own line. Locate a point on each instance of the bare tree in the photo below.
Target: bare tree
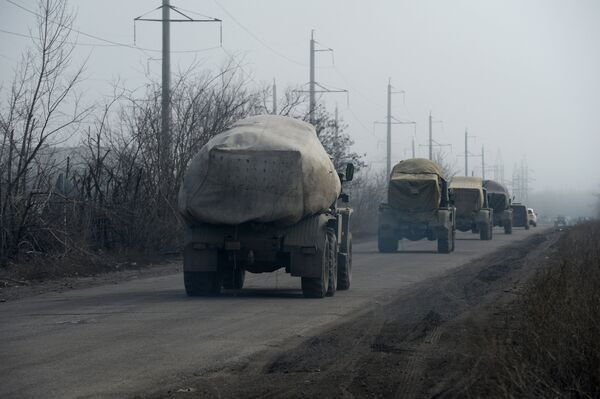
{"x": 42, "y": 108}
{"x": 445, "y": 163}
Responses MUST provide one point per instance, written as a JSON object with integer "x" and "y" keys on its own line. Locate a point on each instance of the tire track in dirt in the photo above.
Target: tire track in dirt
{"x": 388, "y": 350}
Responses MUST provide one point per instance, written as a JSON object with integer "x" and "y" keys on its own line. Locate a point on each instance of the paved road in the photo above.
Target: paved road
{"x": 118, "y": 340}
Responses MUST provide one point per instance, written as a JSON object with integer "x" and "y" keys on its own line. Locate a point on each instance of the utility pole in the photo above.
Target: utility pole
{"x": 389, "y": 127}
{"x": 164, "y": 141}
{"x": 482, "y": 163}
{"x": 274, "y": 98}
{"x": 389, "y": 123}
{"x": 165, "y": 144}
{"x": 430, "y": 137}
{"x": 337, "y": 130}
{"x": 466, "y": 153}
{"x": 311, "y": 82}
{"x": 413, "y": 147}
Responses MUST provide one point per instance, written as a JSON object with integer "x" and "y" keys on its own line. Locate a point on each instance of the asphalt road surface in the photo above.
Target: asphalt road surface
{"x": 137, "y": 336}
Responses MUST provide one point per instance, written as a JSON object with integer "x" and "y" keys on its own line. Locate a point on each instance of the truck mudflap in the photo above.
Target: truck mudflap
{"x": 305, "y": 242}
{"x": 196, "y": 258}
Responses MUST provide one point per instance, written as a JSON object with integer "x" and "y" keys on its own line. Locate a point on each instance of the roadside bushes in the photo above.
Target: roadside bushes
{"x": 555, "y": 347}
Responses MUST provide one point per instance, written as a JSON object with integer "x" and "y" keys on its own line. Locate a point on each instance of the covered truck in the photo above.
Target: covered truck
{"x": 472, "y": 209}
{"x": 520, "y": 218}
{"x": 418, "y": 206}
{"x": 499, "y": 200}
{"x": 262, "y": 196}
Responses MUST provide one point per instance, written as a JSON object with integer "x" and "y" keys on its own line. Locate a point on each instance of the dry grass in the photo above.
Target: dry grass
{"x": 549, "y": 345}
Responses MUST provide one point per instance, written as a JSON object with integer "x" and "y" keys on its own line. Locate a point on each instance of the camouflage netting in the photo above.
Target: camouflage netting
{"x": 498, "y": 195}
{"x": 468, "y": 194}
{"x": 264, "y": 169}
{"x": 415, "y": 185}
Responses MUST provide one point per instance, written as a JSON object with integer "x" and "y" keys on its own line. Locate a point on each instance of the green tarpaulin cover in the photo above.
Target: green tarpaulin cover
{"x": 415, "y": 185}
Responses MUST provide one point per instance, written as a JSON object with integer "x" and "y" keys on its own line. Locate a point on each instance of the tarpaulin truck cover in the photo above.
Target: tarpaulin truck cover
{"x": 498, "y": 195}
{"x": 264, "y": 169}
{"x": 415, "y": 185}
{"x": 468, "y": 194}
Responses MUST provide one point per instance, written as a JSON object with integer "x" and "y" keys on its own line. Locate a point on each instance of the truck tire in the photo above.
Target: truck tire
{"x": 234, "y": 279}
{"x": 317, "y": 287}
{"x": 453, "y": 240}
{"x": 344, "y": 272}
{"x": 508, "y": 227}
{"x": 332, "y": 264}
{"x": 444, "y": 242}
{"x": 526, "y": 226}
{"x": 387, "y": 244}
{"x": 484, "y": 232}
{"x": 201, "y": 283}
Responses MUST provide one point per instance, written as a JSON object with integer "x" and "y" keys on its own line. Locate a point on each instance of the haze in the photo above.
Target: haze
{"x": 521, "y": 75}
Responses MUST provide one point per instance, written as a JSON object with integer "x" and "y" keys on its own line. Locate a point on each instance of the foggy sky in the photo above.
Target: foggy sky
{"x": 521, "y": 75}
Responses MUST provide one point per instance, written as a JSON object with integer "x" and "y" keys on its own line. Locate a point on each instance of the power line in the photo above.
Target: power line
{"x": 95, "y": 37}
{"x": 255, "y": 37}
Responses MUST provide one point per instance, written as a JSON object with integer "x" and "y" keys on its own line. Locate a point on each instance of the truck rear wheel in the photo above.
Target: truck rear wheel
{"x": 444, "y": 242}
{"x": 201, "y": 283}
{"x": 387, "y": 244}
{"x": 344, "y": 273}
{"x": 317, "y": 287}
{"x": 484, "y": 232}
{"x": 508, "y": 227}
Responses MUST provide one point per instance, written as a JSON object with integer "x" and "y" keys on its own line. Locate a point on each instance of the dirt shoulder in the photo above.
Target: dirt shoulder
{"x": 419, "y": 345}
{"x": 13, "y": 287}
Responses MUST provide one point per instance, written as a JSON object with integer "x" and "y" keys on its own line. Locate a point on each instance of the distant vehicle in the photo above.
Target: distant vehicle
{"x": 520, "y": 218}
{"x": 560, "y": 221}
{"x": 418, "y": 207}
{"x": 472, "y": 209}
{"x": 531, "y": 217}
{"x": 262, "y": 196}
{"x": 499, "y": 199}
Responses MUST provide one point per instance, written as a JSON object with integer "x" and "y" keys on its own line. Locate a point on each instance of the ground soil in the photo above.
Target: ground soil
{"x": 422, "y": 344}
{"x": 13, "y": 286}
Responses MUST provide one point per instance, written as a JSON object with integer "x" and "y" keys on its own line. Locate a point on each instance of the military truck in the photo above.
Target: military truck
{"x": 520, "y": 218}
{"x": 499, "y": 200}
{"x": 472, "y": 208}
{"x": 263, "y": 196}
{"x": 418, "y": 206}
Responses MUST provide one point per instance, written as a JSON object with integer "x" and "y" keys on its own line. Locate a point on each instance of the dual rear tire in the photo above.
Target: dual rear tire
{"x": 446, "y": 242}
{"x": 326, "y": 284}
{"x": 486, "y": 231}
{"x": 211, "y": 283}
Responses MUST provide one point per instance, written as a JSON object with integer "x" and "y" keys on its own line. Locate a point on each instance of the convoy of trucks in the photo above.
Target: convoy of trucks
{"x": 264, "y": 195}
